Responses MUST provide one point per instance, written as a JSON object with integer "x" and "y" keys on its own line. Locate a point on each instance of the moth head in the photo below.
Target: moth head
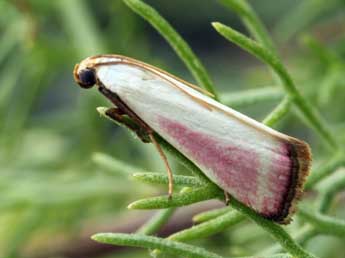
{"x": 90, "y": 70}
{"x": 85, "y": 76}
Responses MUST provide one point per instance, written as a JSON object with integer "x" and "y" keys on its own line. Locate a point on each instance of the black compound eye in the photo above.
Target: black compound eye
{"x": 87, "y": 78}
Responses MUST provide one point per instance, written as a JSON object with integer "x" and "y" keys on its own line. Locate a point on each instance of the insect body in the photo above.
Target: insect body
{"x": 257, "y": 165}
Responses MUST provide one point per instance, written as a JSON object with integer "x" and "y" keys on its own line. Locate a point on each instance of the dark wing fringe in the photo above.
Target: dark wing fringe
{"x": 300, "y": 154}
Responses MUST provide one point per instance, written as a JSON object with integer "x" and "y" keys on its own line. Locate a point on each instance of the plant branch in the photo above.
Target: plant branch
{"x": 278, "y": 112}
{"x": 156, "y": 222}
{"x": 251, "y": 21}
{"x": 270, "y": 256}
{"x": 211, "y": 214}
{"x": 334, "y": 185}
{"x": 322, "y": 223}
{"x": 149, "y": 242}
{"x": 325, "y": 170}
{"x": 180, "y": 199}
{"x": 159, "y": 178}
{"x": 114, "y": 165}
{"x": 210, "y": 227}
{"x": 301, "y": 237}
{"x": 182, "y": 49}
{"x": 252, "y": 96}
{"x": 276, "y": 231}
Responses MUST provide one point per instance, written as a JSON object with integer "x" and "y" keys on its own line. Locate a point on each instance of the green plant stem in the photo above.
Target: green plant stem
{"x": 80, "y": 24}
{"x": 270, "y": 256}
{"x": 182, "y": 49}
{"x": 326, "y": 55}
{"x": 35, "y": 72}
{"x": 325, "y": 170}
{"x": 276, "y": 231}
{"x": 8, "y": 79}
{"x": 301, "y": 237}
{"x": 251, "y": 21}
{"x": 268, "y": 57}
{"x": 325, "y": 202}
{"x": 250, "y": 97}
{"x": 210, "y": 227}
{"x": 156, "y": 222}
{"x": 149, "y": 242}
{"x": 278, "y": 112}
{"x": 335, "y": 184}
{"x": 114, "y": 165}
{"x": 322, "y": 223}
{"x": 31, "y": 219}
{"x": 11, "y": 38}
{"x": 212, "y": 214}
{"x": 159, "y": 178}
{"x": 329, "y": 84}
{"x": 180, "y": 199}
{"x": 309, "y": 231}
{"x": 300, "y": 17}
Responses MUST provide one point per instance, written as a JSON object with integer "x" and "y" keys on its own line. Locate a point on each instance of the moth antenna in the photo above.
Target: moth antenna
{"x": 166, "y": 163}
{"x": 226, "y": 198}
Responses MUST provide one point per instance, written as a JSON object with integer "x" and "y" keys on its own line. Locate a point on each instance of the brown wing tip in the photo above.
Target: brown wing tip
{"x": 301, "y": 158}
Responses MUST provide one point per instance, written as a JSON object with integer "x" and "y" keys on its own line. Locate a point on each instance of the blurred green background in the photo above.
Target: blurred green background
{"x": 55, "y": 186}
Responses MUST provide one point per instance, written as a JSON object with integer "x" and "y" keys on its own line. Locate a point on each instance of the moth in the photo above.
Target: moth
{"x": 261, "y": 167}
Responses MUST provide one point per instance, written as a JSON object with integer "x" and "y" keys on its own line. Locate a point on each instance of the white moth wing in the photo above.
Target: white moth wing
{"x": 153, "y": 98}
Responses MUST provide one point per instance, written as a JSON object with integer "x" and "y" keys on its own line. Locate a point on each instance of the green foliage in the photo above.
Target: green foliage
{"x": 211, "y": 227}
{"x": 156, "y": 222}
{"x": 158, "y": 178}
{"x": 180, "y": 199}
{"x": 266, "y": 53}
{"x": 58, "y": 171}
{"x": 149, "y": 242}
{"x": 251, "y": 97}
{"x": 323, "y": 223}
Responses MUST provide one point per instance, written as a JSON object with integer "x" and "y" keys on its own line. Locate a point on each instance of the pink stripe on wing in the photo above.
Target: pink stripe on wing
{"x": 279, "y": 178}
{"x": 234, "y": 169}
{"x": 237, "y": 170}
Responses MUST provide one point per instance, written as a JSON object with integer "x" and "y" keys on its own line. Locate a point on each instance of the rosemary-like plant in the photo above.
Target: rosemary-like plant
{"x": 262, "y": 47}
{"x": 59, "y": 179}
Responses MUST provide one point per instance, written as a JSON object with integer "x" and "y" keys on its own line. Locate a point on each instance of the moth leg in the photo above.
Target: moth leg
{"x": 227, "y": 198}
{"x": 120, "y": 116}
{"x": 166, "y": 163}
{"x": 146, "y": 135}
{"x": 144, "y": 132}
